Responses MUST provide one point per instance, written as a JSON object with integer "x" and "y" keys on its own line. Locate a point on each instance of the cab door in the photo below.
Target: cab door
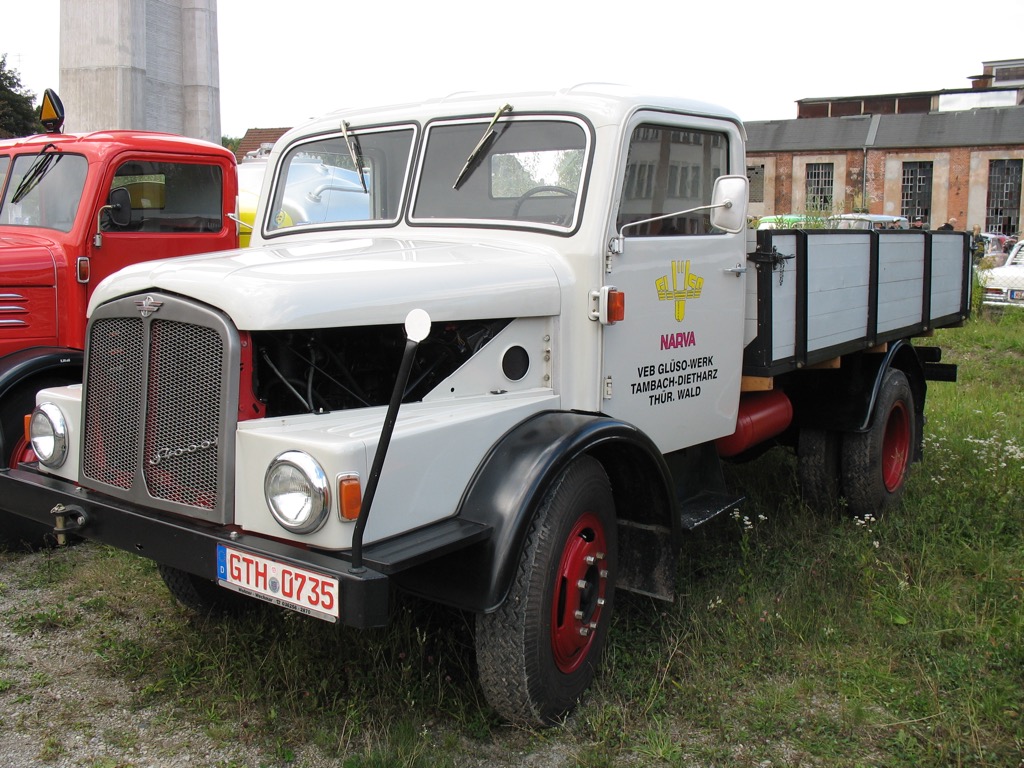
{"x": 672, "y": 366}
{"x": 177, "y": 208}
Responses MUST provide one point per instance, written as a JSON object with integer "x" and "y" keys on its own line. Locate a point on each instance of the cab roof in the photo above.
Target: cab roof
{"x": 601, "y": 103}
{"x": 99, "y": 144}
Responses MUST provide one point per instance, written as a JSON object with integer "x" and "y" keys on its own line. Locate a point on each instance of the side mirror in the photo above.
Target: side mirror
{"x": 729, "y": 203}
{"x": 120, "y": 206}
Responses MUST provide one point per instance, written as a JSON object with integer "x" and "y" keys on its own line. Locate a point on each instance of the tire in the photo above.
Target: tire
{"x": 819, "y": 466}
{"x": 537, "y": 653}
{"x": 876, "y": 463}
{"x": 203, "y": 596}
{"x": 17, "y": 532}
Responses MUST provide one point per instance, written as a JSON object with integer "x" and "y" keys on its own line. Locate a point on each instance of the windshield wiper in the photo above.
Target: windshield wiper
{"x": 42, "y": 165}
{"x": 355, "y": 152}
{"x": 481, "y": 146}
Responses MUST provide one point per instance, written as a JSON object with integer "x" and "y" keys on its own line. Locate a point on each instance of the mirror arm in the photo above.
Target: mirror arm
{"x": 238, "y": 220}
{"x": 97, "y": 239}
{"x": 615, "y": 245}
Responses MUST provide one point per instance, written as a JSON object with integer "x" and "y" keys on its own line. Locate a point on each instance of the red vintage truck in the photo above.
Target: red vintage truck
{"x": 75, "y": 209}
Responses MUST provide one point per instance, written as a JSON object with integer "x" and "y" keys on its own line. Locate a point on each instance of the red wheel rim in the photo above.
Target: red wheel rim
{"x": 22, "y": 452}
{"x": 896, "y": 447}
{"x": 579, "y": 593}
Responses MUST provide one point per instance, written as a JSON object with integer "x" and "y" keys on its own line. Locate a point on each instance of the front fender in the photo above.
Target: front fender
{"x": 505, "y": 492}
{"x": 25, "y": 364}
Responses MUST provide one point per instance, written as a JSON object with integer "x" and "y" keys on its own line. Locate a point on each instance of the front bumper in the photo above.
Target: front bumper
{"x": 184, "y": 544}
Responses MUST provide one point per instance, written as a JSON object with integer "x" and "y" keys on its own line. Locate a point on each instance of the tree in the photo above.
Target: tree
{"x": 17, "y": 115}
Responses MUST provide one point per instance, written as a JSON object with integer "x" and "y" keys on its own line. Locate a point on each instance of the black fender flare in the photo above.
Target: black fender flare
{"x": 18, "y": 369}
{"x": 509, "y": 484}
{"x": 902, "y": 356}
{"x": 25, "y": 364}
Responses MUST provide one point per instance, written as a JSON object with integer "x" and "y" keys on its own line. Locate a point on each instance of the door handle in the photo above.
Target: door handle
{"x": 738, "y": 270}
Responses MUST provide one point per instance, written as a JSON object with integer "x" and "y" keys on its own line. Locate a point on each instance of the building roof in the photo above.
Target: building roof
{"x": 993, "y": 126}
{"x": 256, "y": 137}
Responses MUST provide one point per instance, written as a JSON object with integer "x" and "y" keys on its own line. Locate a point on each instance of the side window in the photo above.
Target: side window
{"x": 170, "y": 197}
{"x": 669, "y": 170}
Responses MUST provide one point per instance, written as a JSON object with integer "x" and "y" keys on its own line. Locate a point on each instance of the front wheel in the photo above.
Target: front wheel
{"x": 537, "y": 653}
{"x": 876, "y": 463}
{"x": 202, "y": 596}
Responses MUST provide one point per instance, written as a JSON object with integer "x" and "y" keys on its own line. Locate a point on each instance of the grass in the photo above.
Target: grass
{"x": 797, "y": 638}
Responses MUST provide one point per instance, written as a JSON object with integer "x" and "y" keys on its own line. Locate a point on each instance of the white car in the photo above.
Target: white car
{"x": 1004, "y": 286}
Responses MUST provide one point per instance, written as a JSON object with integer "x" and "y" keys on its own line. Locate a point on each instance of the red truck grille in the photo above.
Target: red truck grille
{"x": 159, "y": 410}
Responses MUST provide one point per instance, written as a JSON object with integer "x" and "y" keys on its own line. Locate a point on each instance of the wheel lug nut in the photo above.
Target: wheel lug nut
{"x": 584, "y": 631}
{"x": 590, "y": 559}
{"x": 582, "y": 583}
{"x": 578, "y": 615}
{"x": 604, "y": 573}
{"x": 600, "y": 601}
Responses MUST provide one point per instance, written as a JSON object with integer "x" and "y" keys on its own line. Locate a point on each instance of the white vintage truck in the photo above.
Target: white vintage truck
{"x": 494, "y": 356}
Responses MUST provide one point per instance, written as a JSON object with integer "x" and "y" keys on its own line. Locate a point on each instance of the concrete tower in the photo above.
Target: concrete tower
{"x": 142, "y": 64}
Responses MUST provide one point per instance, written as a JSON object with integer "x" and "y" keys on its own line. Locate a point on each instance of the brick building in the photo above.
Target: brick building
{"x": 951, "y": 154}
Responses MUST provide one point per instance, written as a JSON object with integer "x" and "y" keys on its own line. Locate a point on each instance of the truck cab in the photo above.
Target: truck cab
{"x": 75, "y": 209}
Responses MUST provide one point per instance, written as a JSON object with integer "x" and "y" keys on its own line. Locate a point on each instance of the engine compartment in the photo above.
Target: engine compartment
{"x": 331, "y": 369}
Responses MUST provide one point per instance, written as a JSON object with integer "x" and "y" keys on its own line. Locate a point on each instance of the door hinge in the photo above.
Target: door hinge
{"x": 607, "y": 387}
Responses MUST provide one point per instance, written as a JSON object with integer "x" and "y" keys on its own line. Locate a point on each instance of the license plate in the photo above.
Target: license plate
{"x": 288, "y": 586}
{"x": 1016, "y": 294}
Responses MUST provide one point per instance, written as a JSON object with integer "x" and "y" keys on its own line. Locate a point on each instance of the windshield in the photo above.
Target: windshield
{"x": 52, "y": 200}
{"x": 530, "y": 171}
{"x": 319, "y": 183}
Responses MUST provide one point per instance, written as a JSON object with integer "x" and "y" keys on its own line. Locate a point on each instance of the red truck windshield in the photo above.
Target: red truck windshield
{"x": 43, "y": 190}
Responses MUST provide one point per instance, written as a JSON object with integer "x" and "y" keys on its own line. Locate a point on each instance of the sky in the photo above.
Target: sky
{"x": 303, "y": 58}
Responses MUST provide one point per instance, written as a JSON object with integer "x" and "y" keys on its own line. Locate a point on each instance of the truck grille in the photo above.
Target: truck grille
{"x": 160, "y": 400}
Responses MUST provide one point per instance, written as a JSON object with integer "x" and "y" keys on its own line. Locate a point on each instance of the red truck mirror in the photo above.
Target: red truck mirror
{"x": 118, "y": 208}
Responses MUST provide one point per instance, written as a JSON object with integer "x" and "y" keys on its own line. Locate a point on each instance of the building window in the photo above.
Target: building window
{"x": 1002, "y": 213}
{"x": 916, "y": 195}
{"x": 819, "y": 187}
{"x": 755, "y": 173}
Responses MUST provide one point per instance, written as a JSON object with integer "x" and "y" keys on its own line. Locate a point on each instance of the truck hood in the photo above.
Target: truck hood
{"x": 26, "y": 261}
{"x": 367, "y": 281}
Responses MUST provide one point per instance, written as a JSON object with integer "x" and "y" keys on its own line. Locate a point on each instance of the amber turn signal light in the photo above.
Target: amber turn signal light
{"x": 350, "y": 496}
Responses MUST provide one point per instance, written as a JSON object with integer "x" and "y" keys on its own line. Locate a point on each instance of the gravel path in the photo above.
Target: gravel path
{"x": 60, "y": 708}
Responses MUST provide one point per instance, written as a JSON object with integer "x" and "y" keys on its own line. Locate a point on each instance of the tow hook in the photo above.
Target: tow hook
{"x": 67, "y": 520}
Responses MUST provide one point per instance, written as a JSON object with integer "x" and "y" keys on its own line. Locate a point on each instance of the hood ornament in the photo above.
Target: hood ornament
{"x": 148, "y": 306}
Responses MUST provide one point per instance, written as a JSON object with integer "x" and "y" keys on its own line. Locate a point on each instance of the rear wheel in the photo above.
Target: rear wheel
{"x": 819, "y": 466}
{"x": 538, "y": 652}
{"x": 876, "y": 463}
{"x": 17, "y": 532}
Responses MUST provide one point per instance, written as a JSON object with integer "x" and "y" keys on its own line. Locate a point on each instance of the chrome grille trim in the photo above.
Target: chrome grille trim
{"x": 160, "y": 406}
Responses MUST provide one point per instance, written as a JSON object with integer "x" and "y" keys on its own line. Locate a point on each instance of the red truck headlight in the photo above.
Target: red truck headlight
{"x": 48, "y": 433}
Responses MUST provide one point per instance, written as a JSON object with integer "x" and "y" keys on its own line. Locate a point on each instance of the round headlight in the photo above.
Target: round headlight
{"x": 48, "y": 433}
{"x": 297, "y": 492}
